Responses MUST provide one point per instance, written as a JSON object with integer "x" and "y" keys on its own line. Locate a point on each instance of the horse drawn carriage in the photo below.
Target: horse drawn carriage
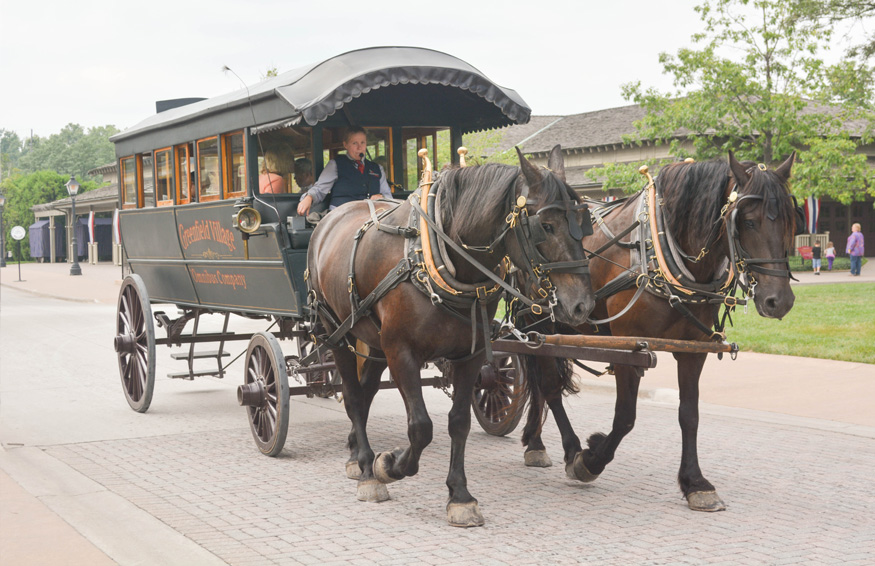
{"x": 376, "y": 283}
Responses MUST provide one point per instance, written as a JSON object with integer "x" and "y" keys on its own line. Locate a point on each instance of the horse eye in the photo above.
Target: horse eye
{"x": 749, "y": 224}
{"x": 547, "y": 227}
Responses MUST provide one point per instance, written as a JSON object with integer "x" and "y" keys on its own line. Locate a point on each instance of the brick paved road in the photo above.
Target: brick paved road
{"x": 795, "y": 495}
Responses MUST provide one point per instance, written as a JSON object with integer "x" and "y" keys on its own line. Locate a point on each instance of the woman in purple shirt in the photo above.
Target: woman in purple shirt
{"x": 855, "y": 248}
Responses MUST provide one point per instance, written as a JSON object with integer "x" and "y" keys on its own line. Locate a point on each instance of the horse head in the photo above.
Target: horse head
{"x": 761, "y": 222}
{"x": 556, "y": 223}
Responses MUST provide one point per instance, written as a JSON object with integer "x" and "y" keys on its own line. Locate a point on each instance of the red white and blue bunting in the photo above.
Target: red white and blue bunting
{"x": 812, "y": 214}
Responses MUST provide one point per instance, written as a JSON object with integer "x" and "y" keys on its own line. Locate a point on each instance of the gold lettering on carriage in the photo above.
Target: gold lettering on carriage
{"x": 209, "y": 277}
{"x": 206, "y": 230}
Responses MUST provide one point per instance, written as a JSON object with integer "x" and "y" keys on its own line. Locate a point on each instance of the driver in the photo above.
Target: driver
{"x": 348, "y": 177}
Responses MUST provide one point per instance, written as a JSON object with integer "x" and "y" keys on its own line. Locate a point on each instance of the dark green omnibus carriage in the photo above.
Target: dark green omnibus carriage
{"x": 200, "y": 237}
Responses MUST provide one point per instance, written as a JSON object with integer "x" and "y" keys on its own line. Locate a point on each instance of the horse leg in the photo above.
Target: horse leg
{"x": 401, "y": 463}
{"x": 354, "y": 401}
{"x": 546, "y": 377}
{"x": 462, "y": 508}
{"x": 369, "y": 372}
{"x": 536, "y": 453}
{"x": 700, "y": 494}
{"x": 587, "y": 465}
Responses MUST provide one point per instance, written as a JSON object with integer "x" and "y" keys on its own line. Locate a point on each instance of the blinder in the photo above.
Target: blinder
{"x": 575, "y": 229}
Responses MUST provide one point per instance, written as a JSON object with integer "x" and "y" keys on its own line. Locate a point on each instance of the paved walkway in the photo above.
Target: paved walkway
{"x": 831, "y": 396}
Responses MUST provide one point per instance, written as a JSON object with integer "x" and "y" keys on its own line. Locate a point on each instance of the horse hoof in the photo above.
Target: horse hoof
{"x": 577, "y": 470}
{"x": 372, "y": 491}
{"x": 538, "y": 459}
{"x": 707, "y": 501}
{"x": 464, "y": 515}
{"x": 353, "y": 471}
{"x": 382, "y": 464}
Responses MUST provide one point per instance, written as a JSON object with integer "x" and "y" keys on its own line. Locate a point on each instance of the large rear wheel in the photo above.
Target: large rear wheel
{"x": 265, "y": 393}
{"x": 499, "y": 395}
{"x": 135, "y": 343}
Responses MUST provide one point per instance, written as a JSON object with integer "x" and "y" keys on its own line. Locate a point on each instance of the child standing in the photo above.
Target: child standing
{"x": 830, "y": 255}
{"x": 816, "y": 255}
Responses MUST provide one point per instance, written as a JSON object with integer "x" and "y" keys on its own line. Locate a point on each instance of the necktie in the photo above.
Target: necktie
{"x": 360, "y": 165}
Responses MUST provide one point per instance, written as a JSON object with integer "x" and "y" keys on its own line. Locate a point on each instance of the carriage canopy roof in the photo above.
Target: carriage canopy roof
{"x": 379, "y": 85}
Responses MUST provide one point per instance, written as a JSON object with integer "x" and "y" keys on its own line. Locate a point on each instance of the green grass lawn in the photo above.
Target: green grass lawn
{"x": 833, "y": 322}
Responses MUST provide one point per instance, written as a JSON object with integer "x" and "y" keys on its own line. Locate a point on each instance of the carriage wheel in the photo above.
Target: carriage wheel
{"x": 135, "y": 343}
{"x": 499, "y": 395}
{"x": 265, "y": 393}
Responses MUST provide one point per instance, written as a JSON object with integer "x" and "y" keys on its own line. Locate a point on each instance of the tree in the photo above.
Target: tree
{"x": 10, "y": 152}
{"x": 72, "y": 151}
{"x": 832, "y": 12}
{"x": 774, "y": 96}
{"x": 25, "y": 191}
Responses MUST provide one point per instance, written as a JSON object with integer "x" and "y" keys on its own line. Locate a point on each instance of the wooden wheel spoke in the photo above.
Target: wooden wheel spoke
{"x": 135, "y": 343}
{"x": 268, "y": 420}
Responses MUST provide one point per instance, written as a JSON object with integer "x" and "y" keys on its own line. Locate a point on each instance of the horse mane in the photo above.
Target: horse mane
{"x": 694, "y": 193}
{"x": 475, "y": 197}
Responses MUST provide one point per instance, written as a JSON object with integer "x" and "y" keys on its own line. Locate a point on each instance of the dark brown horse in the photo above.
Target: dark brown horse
{"x": 408, "y": 329}
{"x": 729, "y": 209}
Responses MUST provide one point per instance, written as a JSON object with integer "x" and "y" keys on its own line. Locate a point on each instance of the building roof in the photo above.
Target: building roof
{"x": 103, "y": 199}
{"x": 607, "y": 127}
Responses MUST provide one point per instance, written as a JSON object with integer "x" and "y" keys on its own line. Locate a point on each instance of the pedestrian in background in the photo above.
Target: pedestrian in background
{"x": 830, "y": 255}
{"x": 855, "y": 248}
{"x": 816, "y": 257}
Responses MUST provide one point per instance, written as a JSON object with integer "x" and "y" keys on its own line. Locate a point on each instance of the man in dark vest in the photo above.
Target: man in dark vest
{"x": 348, "y": 177}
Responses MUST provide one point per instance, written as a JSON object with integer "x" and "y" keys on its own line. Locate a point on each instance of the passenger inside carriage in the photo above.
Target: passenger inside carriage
{"x": 277, "y": 165}
{"x": 304, "y": 174}
{"x": 348, "y": 177}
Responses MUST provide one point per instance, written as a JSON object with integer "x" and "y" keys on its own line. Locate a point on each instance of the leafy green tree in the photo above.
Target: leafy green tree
{"x": 831, "y": 12}
{"x": 773, "y": 96}
{"x": 25, "y": 191}
{"x": 72, "y": 151}
{"x": 10, "y": 152}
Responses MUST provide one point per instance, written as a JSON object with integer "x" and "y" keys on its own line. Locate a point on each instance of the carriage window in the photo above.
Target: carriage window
{"x": 380, "y": 150}
{"x": 184, "y": 173}
{"x": 129, "y": 182}
{"x": 414, "y": 140}
{"x": 147, "y": 180}
{"x": 163, "y": 177}
{"x": 208, "y": 169}
{"x": 234, "y": 164}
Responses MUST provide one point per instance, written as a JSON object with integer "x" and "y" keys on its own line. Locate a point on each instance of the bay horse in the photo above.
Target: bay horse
{"x": 408, "y": 326}
{"x": 715, "y": 211}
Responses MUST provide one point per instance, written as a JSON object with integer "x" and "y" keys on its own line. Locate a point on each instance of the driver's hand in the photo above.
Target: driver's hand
{"x": 304, "y": 205}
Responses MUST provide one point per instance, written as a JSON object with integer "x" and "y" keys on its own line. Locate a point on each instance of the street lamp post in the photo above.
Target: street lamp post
{"x": 2, "y": 232}
{"x": 73, "y": 188}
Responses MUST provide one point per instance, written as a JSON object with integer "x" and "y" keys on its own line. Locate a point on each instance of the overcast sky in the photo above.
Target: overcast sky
{"x": 98, "y": 62}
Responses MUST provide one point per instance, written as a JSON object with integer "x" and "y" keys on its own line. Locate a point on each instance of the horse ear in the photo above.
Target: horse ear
{"x": 741, "y": 176}
{"x": 530, "y": 172}
{"x": 556, "y": 163}
{"x": 783, "y": 169}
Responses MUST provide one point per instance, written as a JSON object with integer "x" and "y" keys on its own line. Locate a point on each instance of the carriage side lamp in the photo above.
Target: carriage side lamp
{"x": 247, "y": 220}
{"x": 73, "y": 188}
{"x": 2, "y": 232}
